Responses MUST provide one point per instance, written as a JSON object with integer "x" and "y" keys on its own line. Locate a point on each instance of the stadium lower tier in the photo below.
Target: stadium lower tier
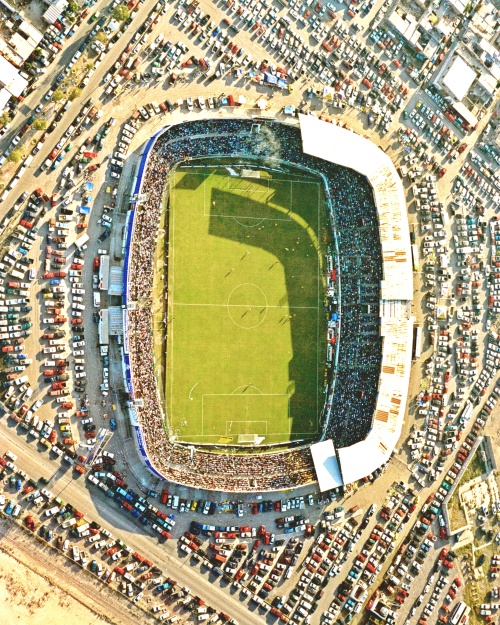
{"x": 355, "y": 376}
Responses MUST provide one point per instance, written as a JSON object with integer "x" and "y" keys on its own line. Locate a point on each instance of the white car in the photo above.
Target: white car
{"x": 78, "y": 291}
{"x": 79, "y": 352}
{"x": 48, "y": 320}
{"x": 79, "y": 344}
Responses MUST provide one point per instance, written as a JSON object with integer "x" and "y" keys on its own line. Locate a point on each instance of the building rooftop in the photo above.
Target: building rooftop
{"x": 459, "y": 78}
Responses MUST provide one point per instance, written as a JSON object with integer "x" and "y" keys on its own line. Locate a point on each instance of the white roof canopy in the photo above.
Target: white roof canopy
{"x": 326, "y": 465}
{"x": 338, "y": 145}
{"x": 459, "y": 78}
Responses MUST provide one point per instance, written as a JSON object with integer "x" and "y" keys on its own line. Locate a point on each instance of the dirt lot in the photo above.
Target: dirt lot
{"x": 26, "y": 597}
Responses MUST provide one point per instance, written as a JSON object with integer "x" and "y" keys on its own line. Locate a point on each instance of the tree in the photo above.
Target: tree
{"x": 101, "y": 37}
{"x": 15, "y": 156}
{"x": 5, "y": 119}
{"x": 40, "y": 124}
{"x": 37, "y": 53}
{"x": 121, "y": 13}
{"x": 73, "y": 6}
{"x": 58, "y": 95}
{"x": 74, "y": 94}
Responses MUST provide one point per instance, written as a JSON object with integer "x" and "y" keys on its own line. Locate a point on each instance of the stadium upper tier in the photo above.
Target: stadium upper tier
{"x": 340, "y": 146}
{"x": 369, "y": 397}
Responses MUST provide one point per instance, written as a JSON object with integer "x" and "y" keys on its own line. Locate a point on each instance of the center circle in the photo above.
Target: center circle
{"x": 247, "y": 305}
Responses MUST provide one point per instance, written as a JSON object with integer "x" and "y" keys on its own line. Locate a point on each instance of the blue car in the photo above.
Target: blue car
{"x": 55, "y": 282}
{"x": 112, "y": 423}
{"x": 9, "y": 508}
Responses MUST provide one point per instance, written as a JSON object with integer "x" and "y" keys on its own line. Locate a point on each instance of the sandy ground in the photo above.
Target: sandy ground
{"x": 26, "y": 598}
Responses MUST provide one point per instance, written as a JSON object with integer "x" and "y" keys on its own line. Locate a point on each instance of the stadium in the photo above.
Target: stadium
{"x": 268, "y": 332}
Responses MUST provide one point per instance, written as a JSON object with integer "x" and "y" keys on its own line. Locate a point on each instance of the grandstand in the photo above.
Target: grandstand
{"x": 396, "y": 291}
{"x": 370, "y": 324}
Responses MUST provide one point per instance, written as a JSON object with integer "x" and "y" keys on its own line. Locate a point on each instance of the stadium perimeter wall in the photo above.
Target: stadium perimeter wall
{"x": 364, "y": 457}
{"x": 343, "y": 147}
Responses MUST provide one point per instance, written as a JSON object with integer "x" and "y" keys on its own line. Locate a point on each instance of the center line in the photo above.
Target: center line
{"x": 246, "y": 306}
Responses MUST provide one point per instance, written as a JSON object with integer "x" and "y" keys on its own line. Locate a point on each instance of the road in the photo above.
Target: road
{"x": 67, "y": 576}
{"x": 97, "y": 507}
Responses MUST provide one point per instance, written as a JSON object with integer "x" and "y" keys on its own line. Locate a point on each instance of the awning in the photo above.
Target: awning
{"x": 326, "y": 465}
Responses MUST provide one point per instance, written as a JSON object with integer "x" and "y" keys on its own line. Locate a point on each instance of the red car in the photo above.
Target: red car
{"x": 97, "y": 262}
{"x": 127, "y": 506}
{"x": 60, "y": 274}
{"x": 77, "y": 321}
{"x": 442, "y": 532}
{"x": 48, "y": 275}
{"x": 7, "y": 348}
{"x": 58, "y": 260}
{"x": 58, "y": 386}
{"x": 75, "y": 266}
{"x": 111, "y": 552}
{"x": 67, "y": 404}
{"x": 442, "y": 172}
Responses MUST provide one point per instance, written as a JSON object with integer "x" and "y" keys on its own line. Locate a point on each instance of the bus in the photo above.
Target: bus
{"x": 460, "y": 614}
{"x": 414, "y": 257}
{"x": 417, "y": 342}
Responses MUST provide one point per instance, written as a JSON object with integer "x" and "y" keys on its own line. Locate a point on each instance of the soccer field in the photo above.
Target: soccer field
{"x": 246, "y": 331}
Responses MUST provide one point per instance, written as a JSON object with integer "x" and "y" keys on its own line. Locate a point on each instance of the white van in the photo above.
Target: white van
{"x": 175, "y": 502}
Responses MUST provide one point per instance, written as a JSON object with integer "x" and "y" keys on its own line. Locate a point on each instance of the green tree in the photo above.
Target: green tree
{"x": 121, "y": 13}
{"x": 58, "y": 95}
{"x": 15, "y": 156}
{"x": 40, "y": 124}
{"x": 37, "y": 53}
{"x": 73, "y": 6}
{"x": 5, "y": 119}
{"x": 101, "y": 37}
{"x": 74, "y": 94}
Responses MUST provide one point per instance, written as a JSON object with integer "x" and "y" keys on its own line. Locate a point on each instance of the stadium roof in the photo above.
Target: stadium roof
{"x": 340, "y": 146}
{"x": 326, "y": 465}
{"x": 361, "y": 459}
{"x": 459, "y": 78}
{"x": 337, "y": 145}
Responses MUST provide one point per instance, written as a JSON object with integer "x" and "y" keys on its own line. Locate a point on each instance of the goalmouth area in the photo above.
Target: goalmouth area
{"x": 244, "y": 337}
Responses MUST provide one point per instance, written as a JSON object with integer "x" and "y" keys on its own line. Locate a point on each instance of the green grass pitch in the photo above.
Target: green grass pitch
{"x": 246, "y": 338}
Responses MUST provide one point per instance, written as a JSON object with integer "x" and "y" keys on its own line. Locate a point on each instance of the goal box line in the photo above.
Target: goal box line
{"x": 222, "y": 408}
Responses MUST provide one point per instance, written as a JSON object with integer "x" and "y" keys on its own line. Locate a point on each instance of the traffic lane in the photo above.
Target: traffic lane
{"x": 46, "y": 80}
{"x": 95, "y": 507}
{"x": 54, "y": 137}
{"x": 54, "y": 567}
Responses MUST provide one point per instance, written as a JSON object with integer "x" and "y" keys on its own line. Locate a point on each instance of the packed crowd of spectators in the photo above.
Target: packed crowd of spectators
{"x": 361, "y": 271}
